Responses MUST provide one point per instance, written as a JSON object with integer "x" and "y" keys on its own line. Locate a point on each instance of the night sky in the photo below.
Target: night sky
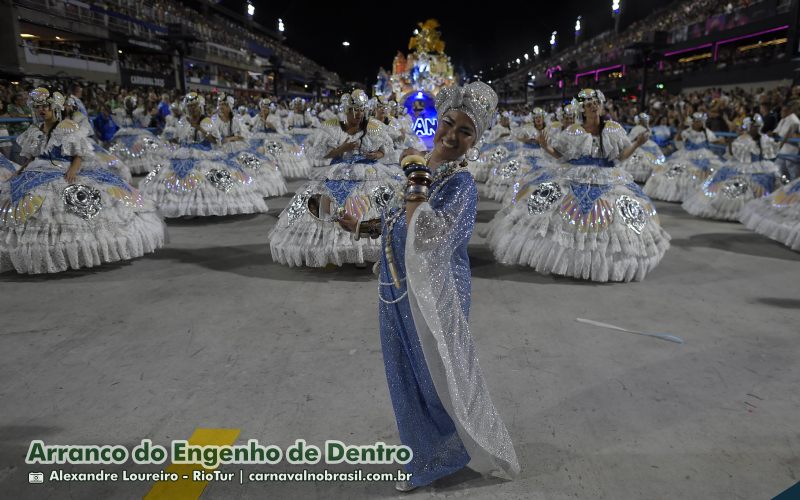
{"x": 476, "y": 36}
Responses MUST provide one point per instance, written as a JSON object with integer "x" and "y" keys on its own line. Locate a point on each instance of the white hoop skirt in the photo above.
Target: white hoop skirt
{"x": 681, "y": 174}
{"x": 723, "y": 195}
{"x": 361, "y": 189}
{"x": 200, "y": 182}
{"x": 139, "y": 149}
{"x": 776, "y": 216}
{"x": 588, "y": 223}
{"x": 48, "y": 226}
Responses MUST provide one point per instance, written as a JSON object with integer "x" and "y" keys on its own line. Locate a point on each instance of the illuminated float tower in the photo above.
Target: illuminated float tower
{"x": 416, "y": 78}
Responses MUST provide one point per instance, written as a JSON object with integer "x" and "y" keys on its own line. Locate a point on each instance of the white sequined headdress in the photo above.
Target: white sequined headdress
{"x": 194, "y": 98}
{"x": 41, "y": 97}
{"x": 699, "y": 116}
{"x": 358, "y": 100}
{"x": 755, "y": 120}
{"x": 642, "y": 119}
{"x": 477, "y": 100}
{"x": 588, "y": 95}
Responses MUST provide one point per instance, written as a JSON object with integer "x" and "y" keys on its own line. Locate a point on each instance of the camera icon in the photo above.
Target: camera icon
{"x": 36, "y": 477}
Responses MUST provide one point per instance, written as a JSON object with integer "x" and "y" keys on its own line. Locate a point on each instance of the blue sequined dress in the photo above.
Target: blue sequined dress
{"x": 586, "y": 220}
{"x": 441, "y": 402}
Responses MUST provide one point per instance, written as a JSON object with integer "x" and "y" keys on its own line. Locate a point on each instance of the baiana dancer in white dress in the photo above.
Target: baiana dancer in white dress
{"x": 361, "y": 177}
{"x": 688, "y": 167}
{"x": 56, "y": 214}
{"x": 641, "y": 163}
{"x": 197, "y": 180}
{"x": 268, "y": 130}
{"x": 750, "y": 173}
{"x": 589, "y": 221}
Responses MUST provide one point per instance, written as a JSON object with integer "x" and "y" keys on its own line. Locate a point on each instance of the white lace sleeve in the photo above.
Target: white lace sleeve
{"x": 317, "y": 145}
{"x": 29, "y": 142}
{"x": 614, "y": 140}
{"x": 73, "y": 142}
{"x": 742, "y": 147}
{"x": 769, "y": 148}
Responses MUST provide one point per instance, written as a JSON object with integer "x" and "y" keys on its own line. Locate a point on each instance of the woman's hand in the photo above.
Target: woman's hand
{"x": 71, "y": 175}
{"x": 72, "y": 171}
{"x": 542, "y": 139}
{"x": 409, "y": 152}
{"x": 348, "y": 222}
{"x": 642, "y": 138}
{"x": 374, "y": 155}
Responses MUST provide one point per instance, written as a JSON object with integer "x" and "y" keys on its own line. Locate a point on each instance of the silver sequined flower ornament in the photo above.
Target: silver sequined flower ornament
{"x": 477, "y": 100}
{"x": 632, "y": 212}
{"x": 220, "y": 179}
{"x": 249, "y": 160}
{"x": 735, "y": 188}
{"x": 382, "y": 195}
{"x": 507, "y": 170}
{"x": 542, "y": 197}
{"x": 82, "y": 200}
{"x": 274, "y": 147}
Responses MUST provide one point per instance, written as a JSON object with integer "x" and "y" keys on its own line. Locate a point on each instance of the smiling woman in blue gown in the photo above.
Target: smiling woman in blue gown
{"x": 442, "y": 405}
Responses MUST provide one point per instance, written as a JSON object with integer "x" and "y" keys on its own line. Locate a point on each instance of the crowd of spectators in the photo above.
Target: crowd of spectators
{"x": 697, "y": 16}
{"x": 726, "y": 109}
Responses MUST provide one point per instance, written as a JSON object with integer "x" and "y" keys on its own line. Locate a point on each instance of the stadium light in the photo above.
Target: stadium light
{"x": 518, "y": 60}
{"x": 553, "y": 39}
{"x": 281, "y": 27}
{"x": 251, "y": 9}
{"x": 346, "y": 43}
{"x": 525, "y": 56}
{"x": 615, "y": 8}
{"x": 578, "y": 26}
{"x": 536, "y": 50}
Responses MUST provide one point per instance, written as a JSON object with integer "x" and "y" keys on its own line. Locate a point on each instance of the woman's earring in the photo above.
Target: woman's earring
{"x": 473, "y": 154}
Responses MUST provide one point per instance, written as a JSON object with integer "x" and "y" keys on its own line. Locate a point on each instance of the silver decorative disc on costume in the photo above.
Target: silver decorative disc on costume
{"x": 274, "y": 147}
{"x": 676, "y": 169}
{"x": 82, "y": 200}
{"x": 249, "y": 160}
{"x": 499, "y": 154}
{"x": 298, "y": 206}
{"x": 220, "y": 179}
{"x": 543, "y": 197}
{"x": 509, "y": 169}
{"x": 632, "y": 212}
{"x": 382, "y": 195}
{"x": 735, "y": 187}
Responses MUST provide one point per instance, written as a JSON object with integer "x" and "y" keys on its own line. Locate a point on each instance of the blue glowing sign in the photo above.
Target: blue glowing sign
{"x": 421, "y": 109}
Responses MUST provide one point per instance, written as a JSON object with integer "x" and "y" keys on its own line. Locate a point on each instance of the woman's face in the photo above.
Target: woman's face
{"x": 355, "y": 115}
{"x": 568, "y": 120}
{"x": 591, "y": 108}
{"x": 43, "y": 112}
{"x": 697, "y": 125}
{"x": 455, "y": 135}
